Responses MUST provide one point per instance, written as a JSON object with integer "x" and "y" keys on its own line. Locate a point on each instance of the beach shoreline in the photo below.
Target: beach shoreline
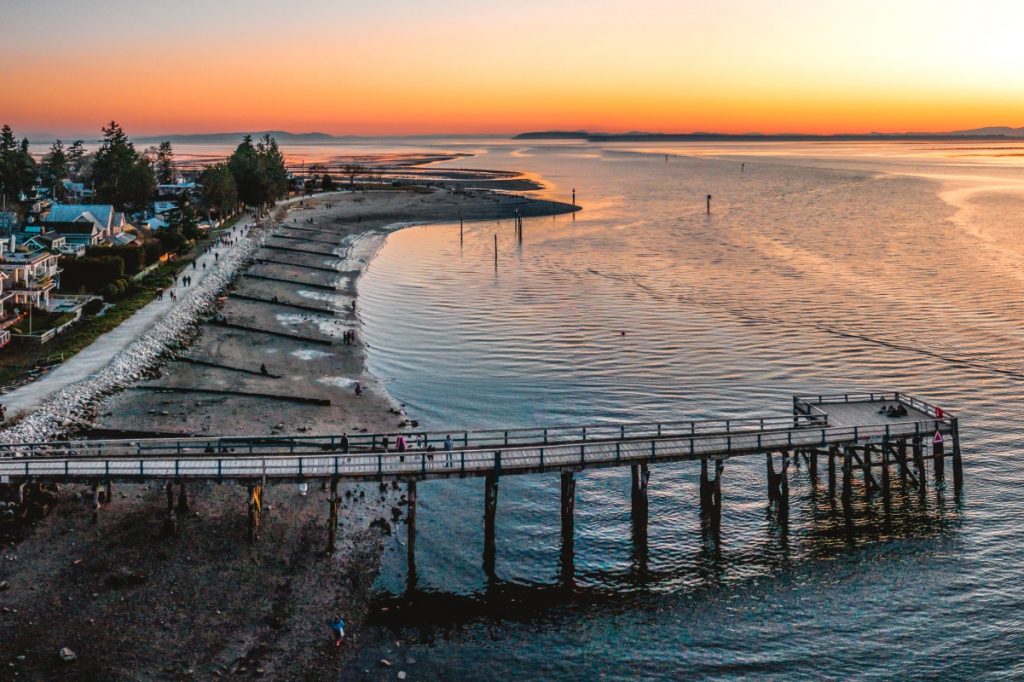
{"x": 204, "y": 602}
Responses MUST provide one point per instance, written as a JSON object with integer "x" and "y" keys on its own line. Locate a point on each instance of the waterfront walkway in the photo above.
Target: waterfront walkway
{"x": 101, "y": 352}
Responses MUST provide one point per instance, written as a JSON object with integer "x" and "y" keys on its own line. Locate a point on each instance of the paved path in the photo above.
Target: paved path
{"x": 99, "y": 354}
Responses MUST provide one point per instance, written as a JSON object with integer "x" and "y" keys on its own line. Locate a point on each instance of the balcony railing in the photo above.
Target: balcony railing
{"x": 5, "y": 337}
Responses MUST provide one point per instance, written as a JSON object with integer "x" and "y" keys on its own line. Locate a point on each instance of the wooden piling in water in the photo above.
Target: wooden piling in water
{"x": 640, "y": 513}
{"x": 490, "y": 510}
{"x": 958, "y": 468}
{"x": 866, "y": 466}
{"x": 568, "y": 513}
{"x": 495, "y": 250}
{"x": 410, "y": 522}
{"x": 939, "y": 457}
{"x": 918, "y": 450}
{"x": 847, "y": 474}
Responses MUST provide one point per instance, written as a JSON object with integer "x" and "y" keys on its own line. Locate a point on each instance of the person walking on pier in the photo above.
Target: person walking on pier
{"x": 449, "y": 446}
{"x": 344, "y": 443}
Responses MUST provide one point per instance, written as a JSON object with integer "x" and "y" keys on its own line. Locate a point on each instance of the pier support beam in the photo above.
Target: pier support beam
{"x": 95, "y": 503}
{"x": 833, "y": 453}
{"x": 711, "y": 494}
{"x": 490, "y": 509}
{"x": 332, "y": 518}
{"x": 866, "y": 465}
{"x": 958, "y": 467}
{"x": 847, "y": 475}
{"x": 255, "y": 503}
{"x": 183, "y": 506}
{"x": 410, "y": 522}
{"x": 812, "y": 463}
{"x": 939, "y": 457}
{"x": 901, "y": 455}
{"x": 922, "y": 477}
{"x": 640, "y": 515}
{"x": 568, "y": 508}
{"x": 778, "y": 483}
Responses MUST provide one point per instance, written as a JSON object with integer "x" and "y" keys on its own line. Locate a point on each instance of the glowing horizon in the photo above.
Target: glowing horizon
{"x": 460, "y": 67}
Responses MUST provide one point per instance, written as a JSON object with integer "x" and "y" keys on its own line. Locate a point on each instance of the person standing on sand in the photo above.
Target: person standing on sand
{"x": 338, "y": 628}
{"x": 448, "y": 447}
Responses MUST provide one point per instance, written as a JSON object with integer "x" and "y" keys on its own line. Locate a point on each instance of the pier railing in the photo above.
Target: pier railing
{"x": 486, "y": 438}
{"x": 475, "y": 461}
{"x": 804, "y": 403}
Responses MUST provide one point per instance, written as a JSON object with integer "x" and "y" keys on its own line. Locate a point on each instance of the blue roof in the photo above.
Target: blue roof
{"x": 67, "y": 213}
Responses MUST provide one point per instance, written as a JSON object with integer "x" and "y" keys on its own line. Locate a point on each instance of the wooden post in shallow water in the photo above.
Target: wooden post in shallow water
{"x": 495, "y": 250}
{"x": 568, "y": 508}
{"x": 939, "y": 457}
{"x": 918, "y": 449}
{"x": 410, "y": 522}
{"x": 958, "y": 467}
{"x": 709, "y": 204}
{"x": 832, "y": 454}
{"x": 490, "y": 510}
{"x": 640, "y": 512}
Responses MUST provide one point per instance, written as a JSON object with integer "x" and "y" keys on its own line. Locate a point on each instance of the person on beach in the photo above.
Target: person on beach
{"x": 384, "y": 443}
{"x": 359, "y": 389}
{"x": 344, "y": 443}
{"x": 3, "y": 413}
{"x": 263, "y": 370}
{"x": 400, "y": 443}
{"x": 449, "y": 446}
{"x": 193, "y": 265}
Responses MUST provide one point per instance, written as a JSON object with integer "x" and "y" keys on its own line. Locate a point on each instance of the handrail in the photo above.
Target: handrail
{"x": 511, "y": 459}
{"x": 483, "y": 438}
{"x": 911, "y": 401}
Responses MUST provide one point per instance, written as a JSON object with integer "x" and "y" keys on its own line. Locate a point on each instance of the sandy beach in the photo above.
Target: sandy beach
{"x": 134, "y": 603}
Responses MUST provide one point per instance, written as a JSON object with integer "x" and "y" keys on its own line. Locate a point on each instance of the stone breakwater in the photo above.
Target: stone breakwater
{"x": 75, "y": 407}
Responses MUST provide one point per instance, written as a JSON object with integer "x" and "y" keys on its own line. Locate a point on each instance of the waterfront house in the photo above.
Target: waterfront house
{"x": 86, "y": 224}
{"x": 30, "y": 276}
{"x": 76, "y": 191}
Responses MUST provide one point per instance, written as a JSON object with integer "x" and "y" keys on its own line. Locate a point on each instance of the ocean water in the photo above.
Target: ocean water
{"x": 822, "y": 268}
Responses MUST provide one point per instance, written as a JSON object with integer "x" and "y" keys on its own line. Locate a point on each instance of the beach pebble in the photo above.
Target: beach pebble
{"x": 401, "y": 674}
{"x": 384, "y": 663}
{"x": 68, "y": 655}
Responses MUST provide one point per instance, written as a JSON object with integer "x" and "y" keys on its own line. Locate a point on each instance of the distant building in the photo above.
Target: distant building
{"x": 175, "y": 189}
{"x": 76, "y": 191}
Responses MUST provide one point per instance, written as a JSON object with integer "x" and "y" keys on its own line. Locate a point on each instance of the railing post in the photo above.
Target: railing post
{"x": 219, "y": 470}
{"x": 423, "y": 462}
{"x": 335, "y": 464}
{"x": 545, "y": 436}
{"x": 584, "y": 433}
{"x": 618, "y": 452}
{"x": 463, "y": 457}
{"x": 582, "y": 457}
{"x": 380, "y": 466}
{"x": 622, "y": 431}
{"x": 542, "y": 459}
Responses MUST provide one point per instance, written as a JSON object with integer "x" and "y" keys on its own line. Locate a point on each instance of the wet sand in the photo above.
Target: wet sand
{"x": 204, "y": 603}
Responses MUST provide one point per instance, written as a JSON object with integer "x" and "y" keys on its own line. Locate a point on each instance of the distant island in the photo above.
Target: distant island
{"x": 991, "y": 133}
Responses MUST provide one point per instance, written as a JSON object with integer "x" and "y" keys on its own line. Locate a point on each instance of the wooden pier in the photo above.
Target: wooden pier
{"x": 851, "y": 431}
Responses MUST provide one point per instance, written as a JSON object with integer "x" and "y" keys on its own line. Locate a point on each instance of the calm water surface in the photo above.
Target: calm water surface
{"x": 823, "y": 268}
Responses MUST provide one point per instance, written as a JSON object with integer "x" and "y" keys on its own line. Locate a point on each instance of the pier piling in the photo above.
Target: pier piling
{"x": 958, "y": 468}
{"x": 183, "y": 506}
{"x": 938, "y": 457}
{"x": 410, "y": 522}
{"x": 640, "y": 512}
{"x": 568, "y": 509}
{"x": 490, "y": 509}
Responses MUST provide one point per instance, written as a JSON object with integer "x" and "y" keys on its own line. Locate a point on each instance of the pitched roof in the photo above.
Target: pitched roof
{"x": 65, "y": 213}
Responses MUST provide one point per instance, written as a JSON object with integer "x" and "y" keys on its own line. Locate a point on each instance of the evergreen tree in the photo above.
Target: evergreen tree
{"x": 328, "y": 183}
{"x": 76, "y": 154}
{"x": 17, "y": 167}
{"x": 121, "y": 175}
{"x": 165, "y": 163}
{"x": 259, "y": 171}
{"x": 220, "y": 193}
{"x": 54, "y": 170}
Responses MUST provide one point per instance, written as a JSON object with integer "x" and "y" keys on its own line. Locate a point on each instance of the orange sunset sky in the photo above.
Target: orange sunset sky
{"x": 459, "y": 66}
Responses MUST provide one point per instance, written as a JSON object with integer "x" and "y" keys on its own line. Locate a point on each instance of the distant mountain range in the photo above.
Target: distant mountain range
{"x": 996, "y": 133}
